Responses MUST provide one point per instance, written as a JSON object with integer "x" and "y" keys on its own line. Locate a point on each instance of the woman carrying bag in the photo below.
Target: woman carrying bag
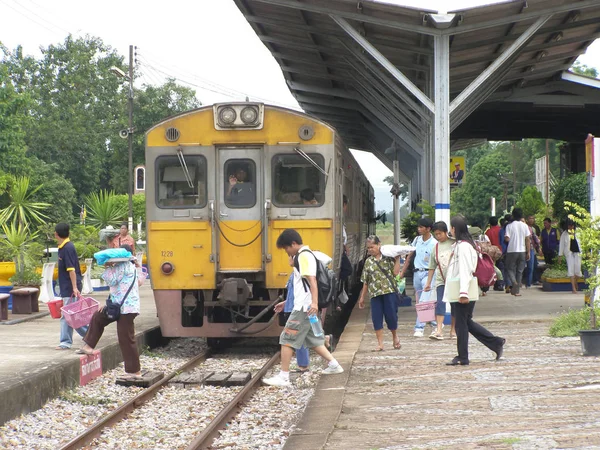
{"x": 123, "y": 306}
{"x": 461, "y": 291}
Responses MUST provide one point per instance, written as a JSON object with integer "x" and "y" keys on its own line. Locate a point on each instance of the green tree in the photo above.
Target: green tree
{"x": 403, "y": 187}
{"x": 531, "y": 201}
{"x": 150, "y": 105}
{"x": 483, "y": 182}
{"x": 139, "y": 206}
{"x": 574, "y": 189}
{"x": 76, "y": 105}
{"x": 103, "y": 209}
{"x": 582, "y": 69}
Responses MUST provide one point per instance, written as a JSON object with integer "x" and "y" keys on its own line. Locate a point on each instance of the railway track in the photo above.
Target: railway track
{"x": 206, "y": 436}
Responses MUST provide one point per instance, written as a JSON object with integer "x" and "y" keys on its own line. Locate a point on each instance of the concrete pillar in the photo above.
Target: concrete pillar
{"x": 441, "y": 126}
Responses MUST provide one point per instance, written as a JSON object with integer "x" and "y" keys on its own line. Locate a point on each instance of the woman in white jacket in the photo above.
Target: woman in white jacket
{"x": 569, "y": 248}
{"x": 462, "y": 266}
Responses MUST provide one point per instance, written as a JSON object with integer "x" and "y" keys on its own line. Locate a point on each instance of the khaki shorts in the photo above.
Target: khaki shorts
{"x": 298, "y": 332}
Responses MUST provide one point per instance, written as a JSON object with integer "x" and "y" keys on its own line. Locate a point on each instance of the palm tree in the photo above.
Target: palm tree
{"x": 22, "y": 210}
{"x": 17, "y": 242}
{"x": 104, "y": 209}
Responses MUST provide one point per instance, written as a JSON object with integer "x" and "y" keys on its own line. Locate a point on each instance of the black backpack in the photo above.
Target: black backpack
{"x": 326, "y": 281}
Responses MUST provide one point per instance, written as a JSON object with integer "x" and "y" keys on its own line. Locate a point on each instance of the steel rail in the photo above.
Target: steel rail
{"x": 120, "y": 413}
{"x": 210, "y": 433}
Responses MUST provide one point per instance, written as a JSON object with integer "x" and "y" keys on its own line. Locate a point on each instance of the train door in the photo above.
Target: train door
{"x": 239, "y": 217}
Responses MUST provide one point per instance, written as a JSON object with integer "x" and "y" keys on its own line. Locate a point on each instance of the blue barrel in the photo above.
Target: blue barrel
{"x": 447, "y": 318}
{"x": 6, "y": 290}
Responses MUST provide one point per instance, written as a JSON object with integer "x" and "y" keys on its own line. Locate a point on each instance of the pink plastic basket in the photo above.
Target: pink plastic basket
{"x": 425, "y": 311}
{"x": 79, "y": 313}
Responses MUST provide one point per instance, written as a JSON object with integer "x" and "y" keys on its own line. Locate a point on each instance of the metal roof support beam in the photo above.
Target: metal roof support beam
{"x": 334, "y": 92}
{"x": 499, "y": 62}
{"x": 441, "y": 127}
{"x": 565, "y": 7}
{"x": 412, "y": 105}
{"x": 398, "y": 75}
{"x": 411, "y": 123}
{"x": 316, "y": 8}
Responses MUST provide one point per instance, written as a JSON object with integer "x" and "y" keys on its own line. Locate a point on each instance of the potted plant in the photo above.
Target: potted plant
{"x": 556, "y": 278}
{"x": 588, "y": 235}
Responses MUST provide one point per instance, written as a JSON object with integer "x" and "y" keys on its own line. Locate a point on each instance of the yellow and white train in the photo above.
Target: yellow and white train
{"x": 222, "y": 182}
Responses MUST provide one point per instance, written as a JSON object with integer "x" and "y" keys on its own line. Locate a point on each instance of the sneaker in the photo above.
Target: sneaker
{"x": 332, "y": 370}
{"x": 418, "y": 333}
{"x": 277, "y": 380}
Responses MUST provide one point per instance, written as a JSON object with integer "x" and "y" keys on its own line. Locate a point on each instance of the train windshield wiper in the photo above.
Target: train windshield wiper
{"x": 184, "y": 167}
{"x": 310, "y": 160}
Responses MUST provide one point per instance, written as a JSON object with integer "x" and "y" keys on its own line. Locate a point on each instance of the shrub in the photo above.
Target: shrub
{"x": 571, "y": 321}
{"x": 573, "y": 188}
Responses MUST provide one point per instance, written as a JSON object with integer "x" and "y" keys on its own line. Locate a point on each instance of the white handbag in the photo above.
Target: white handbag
{"x": 452, "y": 292}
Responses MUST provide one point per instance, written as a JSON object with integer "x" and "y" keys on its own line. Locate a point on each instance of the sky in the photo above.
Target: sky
{"x": 204, "y": 44}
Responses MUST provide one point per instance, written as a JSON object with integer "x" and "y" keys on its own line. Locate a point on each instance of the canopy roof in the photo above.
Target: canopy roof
{"x": 335, "y": 78}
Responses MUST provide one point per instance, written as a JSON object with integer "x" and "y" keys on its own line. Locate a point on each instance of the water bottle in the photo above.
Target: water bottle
{"x": 315, "y": 324}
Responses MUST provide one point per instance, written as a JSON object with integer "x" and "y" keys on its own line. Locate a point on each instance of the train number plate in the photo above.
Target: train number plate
{"x": 166, "y": 253}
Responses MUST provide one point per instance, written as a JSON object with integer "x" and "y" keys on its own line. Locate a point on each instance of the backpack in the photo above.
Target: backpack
{"x": 485, "y": 272}
{"x": 326, "y": 281}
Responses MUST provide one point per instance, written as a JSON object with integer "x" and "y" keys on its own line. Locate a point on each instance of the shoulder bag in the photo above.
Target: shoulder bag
{"x": 112, "y": 310}
{"x": 399, "y": 297}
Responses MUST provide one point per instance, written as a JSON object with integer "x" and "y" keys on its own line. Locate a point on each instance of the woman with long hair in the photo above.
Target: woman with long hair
{"x": 378, "y": 276}
{"x": 462, "y": 265}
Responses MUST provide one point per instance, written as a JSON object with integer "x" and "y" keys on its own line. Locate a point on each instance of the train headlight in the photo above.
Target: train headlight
{"x": 249, "y": 115}
{"x": 227, "y": 115}
{"x": 167, "y": 268}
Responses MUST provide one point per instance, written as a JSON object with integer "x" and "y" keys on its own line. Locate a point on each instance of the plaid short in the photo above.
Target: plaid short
{"x": 298, "y": 332}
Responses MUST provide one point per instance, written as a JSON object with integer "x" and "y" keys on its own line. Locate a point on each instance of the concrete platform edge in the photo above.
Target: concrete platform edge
{"x": 33, "y": 391}
{"x": 324, "y": 408}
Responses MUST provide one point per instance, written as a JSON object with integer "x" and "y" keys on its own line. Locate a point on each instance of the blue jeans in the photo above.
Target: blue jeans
{"x": 531, "y": 268}
{"x": 384, "y": 306}
{"x": 302, "y": 357}
{"x": 419, "y": 280}
{"x": 66, "y": 332}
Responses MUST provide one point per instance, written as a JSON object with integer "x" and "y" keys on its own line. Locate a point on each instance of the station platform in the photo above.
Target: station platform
{"x": 32, "y": 371}
{"x": 542, "y": 394}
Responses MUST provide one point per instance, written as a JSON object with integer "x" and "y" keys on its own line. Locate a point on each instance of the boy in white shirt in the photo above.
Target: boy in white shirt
{"x": 298, "y": 331}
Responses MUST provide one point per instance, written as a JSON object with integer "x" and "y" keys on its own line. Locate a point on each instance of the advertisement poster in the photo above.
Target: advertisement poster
{"x": 457, "y": 170}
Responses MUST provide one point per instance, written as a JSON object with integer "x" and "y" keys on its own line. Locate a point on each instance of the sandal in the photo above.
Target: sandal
{"x": 378, "y": 349}
{"x": 83, "y": 352}
{"x": 60, "y": 347}
{"x": 328, "y": 341}
{"x": 397, "y": 345}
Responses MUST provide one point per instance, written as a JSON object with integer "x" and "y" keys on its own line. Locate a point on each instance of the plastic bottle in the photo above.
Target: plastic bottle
{"x": 316, "y": 325}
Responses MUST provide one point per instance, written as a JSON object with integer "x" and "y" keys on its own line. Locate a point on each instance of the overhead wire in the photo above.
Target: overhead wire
{"x": 40, "y": 17}
{"x": 28, "y": 17}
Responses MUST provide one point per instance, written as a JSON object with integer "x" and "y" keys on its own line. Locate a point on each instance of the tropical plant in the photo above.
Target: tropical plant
{"x": 531, "y": 201}
{"x": 588, "y": 235}
{"x": 17, "y": 242}
{"x": 22, "y": 209}
{"x": 103, "y": 209}
{"x": 408, "y": 226}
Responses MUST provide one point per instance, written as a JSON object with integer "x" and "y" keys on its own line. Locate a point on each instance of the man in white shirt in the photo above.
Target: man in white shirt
{"x": 298, "y": 330}
{"x": 517, "y": 254}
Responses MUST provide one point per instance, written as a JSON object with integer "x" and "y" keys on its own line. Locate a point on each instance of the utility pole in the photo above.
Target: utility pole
{"x": 514, "y": 169}
{"x": 130, "y": 139}
{"x": 547, "y": 174}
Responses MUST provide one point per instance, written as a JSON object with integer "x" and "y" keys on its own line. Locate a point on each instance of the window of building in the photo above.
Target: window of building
{"x": 240, "y": 183}
{"x": 296, "y": 182}
{"x": 178, "y": 186}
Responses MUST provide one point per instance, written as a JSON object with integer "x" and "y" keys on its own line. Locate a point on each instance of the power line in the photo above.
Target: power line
{"x": 28, "y": 17}
{"x": 40, "y": 17}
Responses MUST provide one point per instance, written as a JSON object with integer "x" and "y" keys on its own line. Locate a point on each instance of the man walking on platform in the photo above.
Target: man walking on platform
{"x": 518, "y": 251}
{"x": 69, "y": 281}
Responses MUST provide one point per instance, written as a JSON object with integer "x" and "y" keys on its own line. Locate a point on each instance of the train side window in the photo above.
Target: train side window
{"x": 240, "y": 183}
{"x": 296, "y": 181}
{"x": 180, "y": 188}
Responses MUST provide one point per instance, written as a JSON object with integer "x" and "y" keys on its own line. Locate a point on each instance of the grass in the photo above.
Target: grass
{"x": 71, "y": 396}
{"x": 570, "y": 322}
{"x": 385, "y": 233}
{"x": 146, "y": 351}
{"x": 511, "y": 440}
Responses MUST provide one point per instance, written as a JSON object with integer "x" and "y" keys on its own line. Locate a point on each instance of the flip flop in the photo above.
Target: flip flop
{"x": 397, "y": 345}
{"x": 83, "y": 352}
{"x": 378, "y": 349}
{"x": 60, "y": 347}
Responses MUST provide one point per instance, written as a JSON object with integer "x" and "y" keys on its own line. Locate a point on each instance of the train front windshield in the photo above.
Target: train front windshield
{"x": 180, "y": 186}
